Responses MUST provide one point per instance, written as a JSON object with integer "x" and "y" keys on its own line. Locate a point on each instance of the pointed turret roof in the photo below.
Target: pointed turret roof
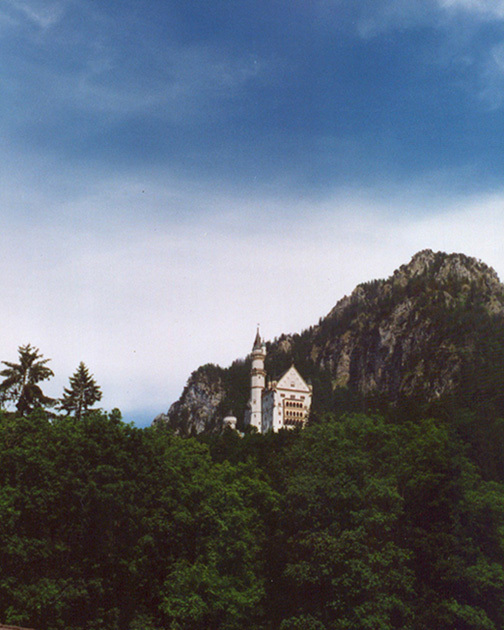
{"x": 258, "y": 341}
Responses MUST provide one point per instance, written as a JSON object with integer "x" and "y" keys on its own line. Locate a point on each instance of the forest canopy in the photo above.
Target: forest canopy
{"x": 360, "y": 521}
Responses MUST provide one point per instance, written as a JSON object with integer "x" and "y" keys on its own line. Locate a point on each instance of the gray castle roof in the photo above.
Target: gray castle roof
{"x": 258, "y": 341}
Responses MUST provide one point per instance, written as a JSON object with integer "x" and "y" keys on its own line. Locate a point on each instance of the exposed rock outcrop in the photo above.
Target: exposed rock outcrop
{"x": 402, "y": 335}
{"x": 196, "y": 410}
{"x": 412, "y": 334}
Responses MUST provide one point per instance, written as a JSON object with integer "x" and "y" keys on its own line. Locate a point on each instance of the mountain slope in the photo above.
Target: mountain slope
{"x": 406, "y": 335}
{"x": 432, "y": 329}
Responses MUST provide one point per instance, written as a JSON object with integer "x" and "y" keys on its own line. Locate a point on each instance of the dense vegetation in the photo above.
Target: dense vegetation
{"x": 360, "y": 521}
{"x": 429, "y": 331}
{"x": 386, "y": 512}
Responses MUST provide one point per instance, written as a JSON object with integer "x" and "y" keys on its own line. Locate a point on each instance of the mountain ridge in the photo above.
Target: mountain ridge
{"x": 415, "y": 334}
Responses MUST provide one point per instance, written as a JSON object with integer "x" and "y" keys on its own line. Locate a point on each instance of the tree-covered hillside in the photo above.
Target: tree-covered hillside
{"x": 425, "y": 334}
{"x": 386, "y": 512}
{"x": 360, "y": 521}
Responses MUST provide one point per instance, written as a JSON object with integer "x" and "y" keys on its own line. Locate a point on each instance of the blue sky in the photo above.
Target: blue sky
{"x": 174, "y": 172}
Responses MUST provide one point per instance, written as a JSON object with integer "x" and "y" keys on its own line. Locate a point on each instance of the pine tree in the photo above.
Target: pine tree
{"x": 82, "y": 393}
{"x": 20, "y": 380}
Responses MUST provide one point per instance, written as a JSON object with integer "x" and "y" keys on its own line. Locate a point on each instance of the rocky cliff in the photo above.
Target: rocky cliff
{"x": 196, "y": 410}
{"x": 420, "y": 333}
{"x": 211, "y": 393}
{"x": 409, "y": 334}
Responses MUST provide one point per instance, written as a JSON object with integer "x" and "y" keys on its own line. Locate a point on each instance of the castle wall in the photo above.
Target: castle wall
{"x": 284, "y": 404}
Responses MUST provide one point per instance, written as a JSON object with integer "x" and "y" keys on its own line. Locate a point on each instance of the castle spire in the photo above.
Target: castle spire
{"x": 258, "y": 342}
{"x": 257, "y": 383}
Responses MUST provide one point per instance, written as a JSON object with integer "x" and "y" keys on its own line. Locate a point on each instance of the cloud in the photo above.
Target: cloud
{"x": 483, "y": 9}
{"x": 144, "y": 303}
{"x": 42, "y": 14}
{"x": 384, "y": 15}
{"x": 180, "y": 80}
{"x": 103, "y": 63}
{"x": 145, "y": 276}
{"x": 466, "y": 45}
{"x": 492, "y": 78}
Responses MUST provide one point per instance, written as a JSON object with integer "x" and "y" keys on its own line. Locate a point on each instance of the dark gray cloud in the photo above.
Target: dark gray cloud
{"x": 165, "y": 165}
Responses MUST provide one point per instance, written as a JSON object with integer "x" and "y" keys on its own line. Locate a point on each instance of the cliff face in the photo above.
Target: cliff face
{"x": 196, "y": 410}
{"x": 415, "y": 333}
{"x": 408, "y": 334}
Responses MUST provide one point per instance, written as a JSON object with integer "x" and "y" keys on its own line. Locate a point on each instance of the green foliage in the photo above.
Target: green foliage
{"x": 82, "y": 394}
{"x": 379, "y": 524}
{"x": 355, "y": 522}
{"x": 103, "y": 525}
{"x": 20, "y": 384}
{"x": 388, "y": 528}
{"x": 216, "y": 583}
{"x": 302, "y": 623}
{"x": 388, "y": 515}
{"x": 236, "y": 381}
{"x": 346, "y": 567}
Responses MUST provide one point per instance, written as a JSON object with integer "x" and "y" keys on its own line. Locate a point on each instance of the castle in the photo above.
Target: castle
{"x": 279, "y": 404}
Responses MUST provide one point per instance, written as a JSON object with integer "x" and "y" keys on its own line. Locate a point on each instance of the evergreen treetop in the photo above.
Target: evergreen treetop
{"x": 82, "y": 394}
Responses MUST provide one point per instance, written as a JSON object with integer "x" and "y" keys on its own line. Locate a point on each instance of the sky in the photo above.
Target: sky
{"x": 173, "y": 173}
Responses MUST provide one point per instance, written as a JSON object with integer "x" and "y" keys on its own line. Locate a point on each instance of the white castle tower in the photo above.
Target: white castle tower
{"x": 283, "y": 404}
{"x": 257, "y": 384}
